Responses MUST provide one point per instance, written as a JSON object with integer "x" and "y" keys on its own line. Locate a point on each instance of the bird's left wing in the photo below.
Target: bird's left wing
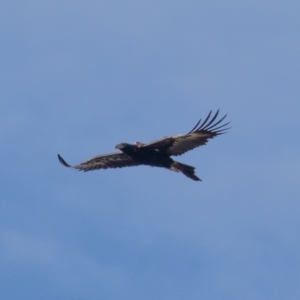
{"x": 112, "y": 160}
{"x": 198, "y": 136}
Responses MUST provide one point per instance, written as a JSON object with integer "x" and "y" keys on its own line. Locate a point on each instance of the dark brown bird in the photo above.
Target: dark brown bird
{"x": 159, "y": 152}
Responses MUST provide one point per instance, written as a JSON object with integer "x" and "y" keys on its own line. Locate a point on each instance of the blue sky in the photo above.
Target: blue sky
{"x": 78, "y": 77}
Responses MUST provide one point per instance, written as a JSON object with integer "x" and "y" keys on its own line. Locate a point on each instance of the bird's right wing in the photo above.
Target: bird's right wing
{"x": 112, "y": 160}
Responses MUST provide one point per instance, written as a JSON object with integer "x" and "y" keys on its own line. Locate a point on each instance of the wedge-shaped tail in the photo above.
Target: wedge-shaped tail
{"x": 187, "y": 170}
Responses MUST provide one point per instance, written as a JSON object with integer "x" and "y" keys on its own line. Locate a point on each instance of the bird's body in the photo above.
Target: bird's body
{"x": 145, "y": 155}
{"x": 159, "y": 152}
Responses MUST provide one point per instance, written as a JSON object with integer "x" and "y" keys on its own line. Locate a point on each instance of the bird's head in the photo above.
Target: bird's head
{"x": 122, "y": 146}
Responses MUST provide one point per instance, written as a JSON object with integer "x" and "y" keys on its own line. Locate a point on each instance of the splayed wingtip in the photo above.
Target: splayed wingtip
{"x": 63, "y": 162}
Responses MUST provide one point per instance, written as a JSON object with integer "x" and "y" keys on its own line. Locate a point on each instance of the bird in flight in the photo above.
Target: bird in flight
{"x": 158, "y": 153}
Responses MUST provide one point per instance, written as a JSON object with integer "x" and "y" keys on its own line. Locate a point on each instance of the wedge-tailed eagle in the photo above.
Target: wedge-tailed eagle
{"x": 159, "y": 152}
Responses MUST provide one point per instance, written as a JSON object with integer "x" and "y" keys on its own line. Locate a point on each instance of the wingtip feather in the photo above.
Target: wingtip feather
{"x": 212, "y": 125}
{"x": 63, "y": 162}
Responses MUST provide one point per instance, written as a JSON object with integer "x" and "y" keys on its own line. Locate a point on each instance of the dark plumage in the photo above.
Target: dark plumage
{"x": 159, "y": 152}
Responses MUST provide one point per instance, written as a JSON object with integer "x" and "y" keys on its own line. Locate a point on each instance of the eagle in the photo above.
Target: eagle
{"x": 158, "y": 153}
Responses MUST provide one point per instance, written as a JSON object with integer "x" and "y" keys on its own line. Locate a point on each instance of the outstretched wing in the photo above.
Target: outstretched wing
{"x": 113, "y": 160}
{"x": 198, "y": 136}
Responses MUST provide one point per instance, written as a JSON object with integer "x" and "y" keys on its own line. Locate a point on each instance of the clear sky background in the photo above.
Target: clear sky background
{"x": 78, "y": 77}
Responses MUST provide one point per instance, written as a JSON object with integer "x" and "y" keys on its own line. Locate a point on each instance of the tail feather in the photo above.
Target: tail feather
{"x": 187, "y": 170}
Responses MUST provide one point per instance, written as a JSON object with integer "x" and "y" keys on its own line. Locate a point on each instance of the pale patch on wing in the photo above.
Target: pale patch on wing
{"x": 188, "y": 142}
